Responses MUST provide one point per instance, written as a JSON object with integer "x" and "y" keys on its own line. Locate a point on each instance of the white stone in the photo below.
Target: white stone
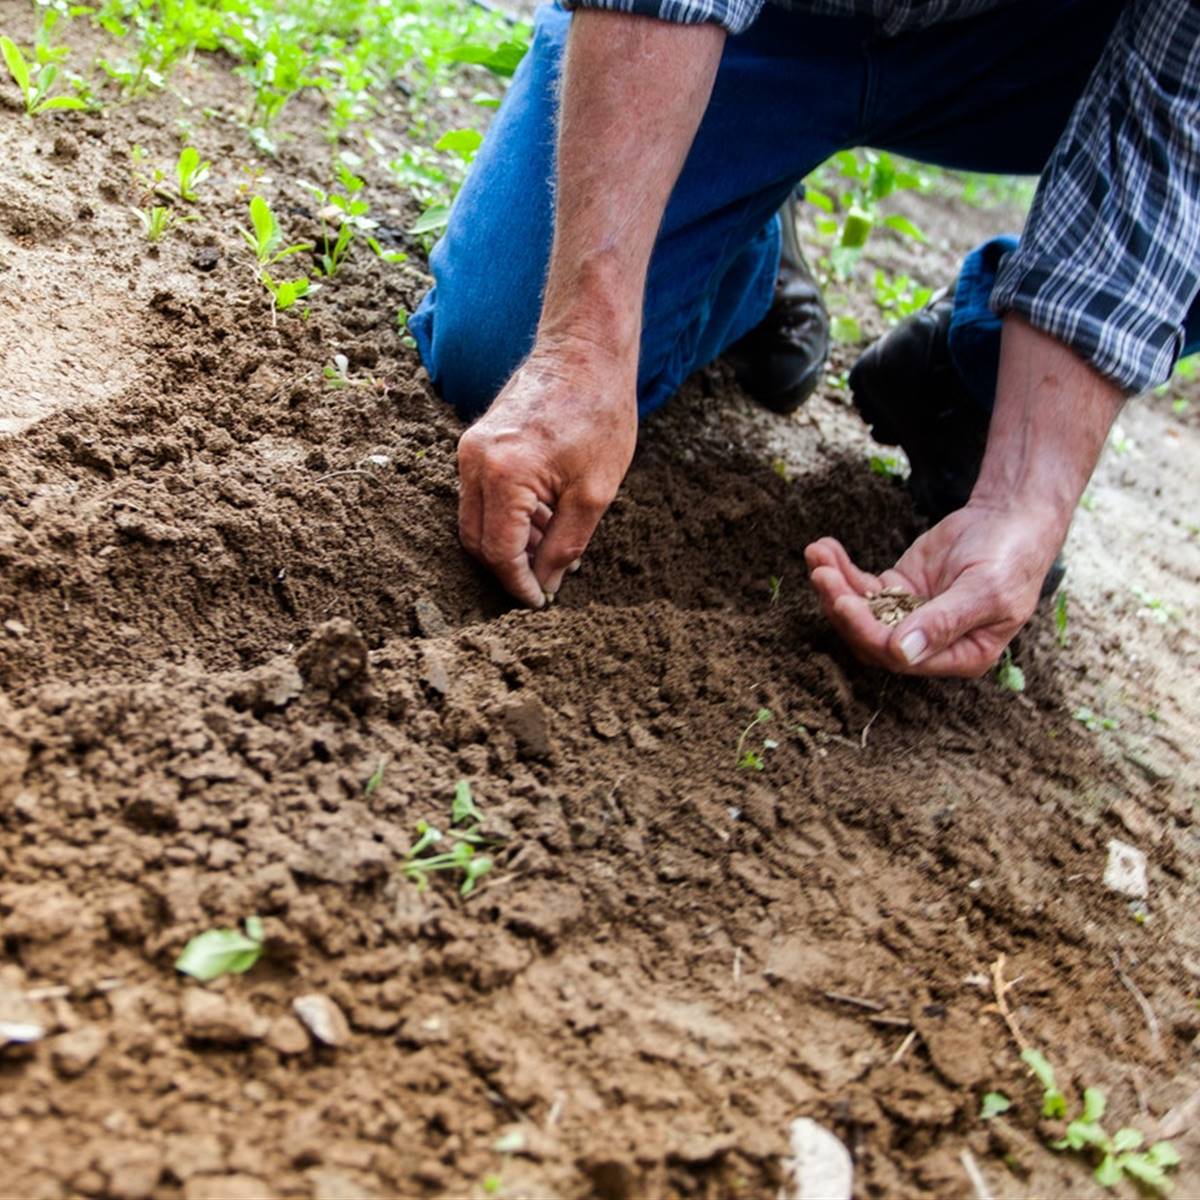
{"x": 1126, "y": 870}
{"x": 820, "y": 1167}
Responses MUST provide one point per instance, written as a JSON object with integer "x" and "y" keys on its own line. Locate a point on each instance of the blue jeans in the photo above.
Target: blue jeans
{"x": 987, "y": 94}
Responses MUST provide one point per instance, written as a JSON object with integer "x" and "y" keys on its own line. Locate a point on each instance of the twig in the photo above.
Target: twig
{"x": 1144, "y": 1004}
{"x": 903, "y": 1048}
{"x": 1001, "y": 988}
{"x": 60, "y": 991}
{"x": 975, "y": 1175}
{"x": 737, "y": 966}
{"x": 856, "y": 1001}
{"x": 1181, "y": 1118}
{"x": 867, "y": 727}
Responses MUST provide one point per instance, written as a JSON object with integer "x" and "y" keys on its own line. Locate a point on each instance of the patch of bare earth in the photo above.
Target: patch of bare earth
{"x": 673, "y": 958}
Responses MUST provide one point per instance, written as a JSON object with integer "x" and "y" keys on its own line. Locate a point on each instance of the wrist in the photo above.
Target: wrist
{"x": 591, "y": 310}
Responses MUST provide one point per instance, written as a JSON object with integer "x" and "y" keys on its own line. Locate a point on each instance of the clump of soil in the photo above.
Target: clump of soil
{"x": 892, "y": 604}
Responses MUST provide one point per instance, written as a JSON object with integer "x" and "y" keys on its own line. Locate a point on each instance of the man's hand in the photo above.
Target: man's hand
{"x": 538, "y": 471}
{"x": 983, "y": 567}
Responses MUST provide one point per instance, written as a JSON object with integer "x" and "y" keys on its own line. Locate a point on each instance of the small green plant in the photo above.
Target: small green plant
{"x": 266, "y": 241}
{"x": 376, "y": 779}
{"x": 1115, "y": 1157}
{"x": 774, "y": 583}
{"x": 899, "y": 297}
{"x": 1093, "y": 722}
{"x": 218, "y": 952}
{"x": 463, "y": 855}
{"x": 189, "y": 172}
{"x": 36, "y": 88}
{"x": 157, "y": 221}
{"x": 754, "y": 760}
{"x": 886, "y": 465}
{"x": 1060, "y": 618}
{"x": 993, "y": 1105}
{"x": 1009, "y": 675}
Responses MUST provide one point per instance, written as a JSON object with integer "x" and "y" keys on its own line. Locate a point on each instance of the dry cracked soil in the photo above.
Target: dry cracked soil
{"x": 229, "y": 590}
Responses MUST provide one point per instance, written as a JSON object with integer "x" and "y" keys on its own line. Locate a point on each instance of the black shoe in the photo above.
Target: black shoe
{"x": 908, "y": 390}
{"x": 779, "y": 362}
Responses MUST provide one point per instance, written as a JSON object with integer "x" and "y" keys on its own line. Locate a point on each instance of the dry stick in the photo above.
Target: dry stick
{"x": 1001, "y": 988}
{"x": 856, "y": 1001}
{"x": 867, "y": 727}
{"x": 904, "y": 1045}
{"x": 347, "y": 471}
{"x": 975, "y": 1175}
{"x": 1144, "y": 1004}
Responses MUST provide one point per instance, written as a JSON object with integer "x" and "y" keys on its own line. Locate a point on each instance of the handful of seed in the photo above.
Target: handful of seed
{"x": 892, "y": 604}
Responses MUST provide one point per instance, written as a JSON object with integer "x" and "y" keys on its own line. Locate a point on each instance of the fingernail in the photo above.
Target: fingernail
{"x": 575, "y": 565}
{"x": 550, "y": 597}
{"x": 913, "y": 646}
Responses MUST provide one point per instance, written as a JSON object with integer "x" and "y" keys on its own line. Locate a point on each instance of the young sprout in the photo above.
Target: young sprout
{"x": 1009, "y": 675}
{"x": 219, "y": 952}
{"x": 36, "y": 88}
{"x": 190, "y": 171}
{"x": 157, "y": 221}
{"x": 753, "y": 760}
{"x": 266, "y": 238}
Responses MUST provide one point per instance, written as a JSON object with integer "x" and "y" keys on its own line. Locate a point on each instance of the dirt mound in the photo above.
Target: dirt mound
{"x": 243, "y": 657}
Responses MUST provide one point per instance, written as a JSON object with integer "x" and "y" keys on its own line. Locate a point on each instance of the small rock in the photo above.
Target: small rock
{"x": 526, "y": 720}
{"x": 325, "y": 1020}
{"x": 74, "y": 1052}
{"x": 191, "y": 1154}
{"x": 206, "y": 258}
{"x": 21, "y": 1020}
{"x": 433, "y": 672}
{"x": 820, "y": 1167}
{"x": 133, "y": 1170}
{"x": 287, "y": 1036}
{"x": 209, "y": 1017}
{"x": 16, "y": 628}
{"x": 605, "y": 723}
{"x": 430, "y": 621}
{"x": 66, "y": 147}
{"x": 1126, "y": 870}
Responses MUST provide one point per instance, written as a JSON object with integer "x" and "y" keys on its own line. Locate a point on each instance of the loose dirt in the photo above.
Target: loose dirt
{"x": 228, "y": 590}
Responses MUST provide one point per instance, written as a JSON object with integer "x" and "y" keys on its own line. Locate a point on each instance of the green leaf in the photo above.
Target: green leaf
{"x": 857, "y": 228}
{"x": 1144, "y": 1171}
{"x": 17, "y": 67}
{"x": 60, "y": 103}
{"x": 463, "y": 808}
{"x": 905, "y": 226}
{"x": 463, "y": 142}
{"x": 254, "y": 928}
{"x": 434, "y": 217}
{"x": 1163, "y": 1154}
{"x": 218, "y": 952}
{"x": 822, "y": 200}
{"x": 1082, "y": 1133}
{"x": 376, "y": 777}
{"x": 1094, "y": 1104}
{"x": 475, "y": 870}
{"x": 1054, "y": 1104}
{"x": 266, "y": 228}
{"x": 994, "y": 1103}
{"x": 1037, "y": 1062}
{"x": 1126, "y": 1139}
{"x": 1108, "y": 1173}
{"x": 846, "y": 329}
{"x": 1009, "y": 675}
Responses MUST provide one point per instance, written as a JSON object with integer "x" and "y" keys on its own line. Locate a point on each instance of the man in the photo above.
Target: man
{"x": 579, "y": 288}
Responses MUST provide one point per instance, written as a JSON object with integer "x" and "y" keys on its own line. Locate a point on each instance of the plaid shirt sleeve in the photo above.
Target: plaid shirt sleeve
{"x": 1109, "y": 262}
{"x": 734, "y": 15}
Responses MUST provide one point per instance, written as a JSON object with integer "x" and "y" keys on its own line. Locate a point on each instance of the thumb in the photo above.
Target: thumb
{"x": 938, "y": 626}
{"x": 576, "y": 516}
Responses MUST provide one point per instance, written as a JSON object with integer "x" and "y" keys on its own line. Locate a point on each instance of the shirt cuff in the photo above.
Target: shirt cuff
{"x": 1130, "y": 343}
{"x": 735, "y": 16}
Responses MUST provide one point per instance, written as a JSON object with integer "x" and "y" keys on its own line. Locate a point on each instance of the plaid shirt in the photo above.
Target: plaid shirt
{"x": 1109, "y": 262}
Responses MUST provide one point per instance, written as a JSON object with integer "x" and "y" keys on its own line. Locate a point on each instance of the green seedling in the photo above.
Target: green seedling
{"x": 774, "y": 583}
{"x": 1117, "y": 1156}
{"x": 1009, "y": 675}
{"x": 463, "y": 855}
{"x": 1093, "y": 722}
{"x": 376, "y": 779}
{"x": 285, "y": 292}
{"x": 218, "y": 952}
{"x": 189, "y": 172}
{"x": 157, "y": 221}
{"x": 35, "y": 88}
{"x": 1060, "y": 618}
{"x": 886, "y": 465}
{"x": 753, "y": 760}
{"x": 993, "y": 1105}
{"x": 899, "y": 297}
{"x": 266, "y": 240}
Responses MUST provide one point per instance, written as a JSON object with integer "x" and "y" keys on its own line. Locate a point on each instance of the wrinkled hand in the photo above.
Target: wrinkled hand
{"x": 539, "y": 469}
{"x": 981, "y": 570}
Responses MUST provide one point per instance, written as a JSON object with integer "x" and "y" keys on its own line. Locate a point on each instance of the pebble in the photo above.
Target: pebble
{"x": 430, "y": 620}
{"x": 820, "y": 1167}
{"x": 21, "y": 1020}
{"x": 72, "y": 1053}
{"x": 325, "y": 1021}
{"x": 1126, "y": 870}
{"x": 287, "y": 1036}
{"x": 212, "y": 1018}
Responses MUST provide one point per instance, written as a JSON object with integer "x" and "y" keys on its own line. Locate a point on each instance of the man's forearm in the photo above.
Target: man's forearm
{"x": 1052, "y": 416}
{"x": 633, "y": 93}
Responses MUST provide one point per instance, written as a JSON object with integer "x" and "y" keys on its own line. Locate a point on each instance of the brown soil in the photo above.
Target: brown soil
{"x": 227, "y": 591}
